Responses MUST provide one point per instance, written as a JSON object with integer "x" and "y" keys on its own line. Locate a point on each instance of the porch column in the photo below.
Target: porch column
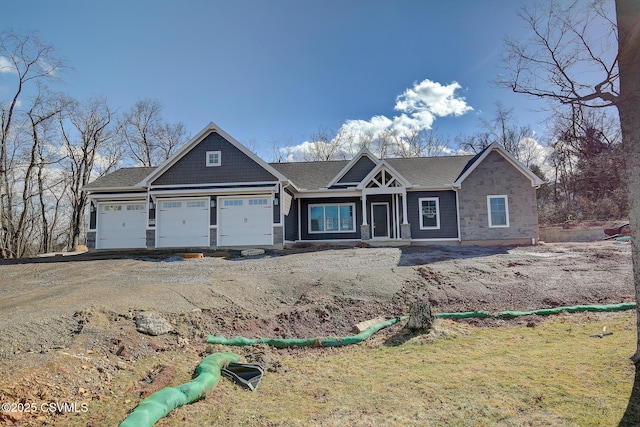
{"x": 365, "y": 233}
{"x": 404, "y": 208}
{"x": 364, "y": 208}
{"x": 405, "y": 228}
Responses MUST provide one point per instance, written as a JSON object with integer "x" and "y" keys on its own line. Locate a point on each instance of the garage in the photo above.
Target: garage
{"x": 182, "y": 223}
{"x": 245, "y": 221}
{"x": 121, "y": 225}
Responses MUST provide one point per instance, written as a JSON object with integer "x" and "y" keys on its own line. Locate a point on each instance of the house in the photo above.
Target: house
{"x": 214, "y": 192}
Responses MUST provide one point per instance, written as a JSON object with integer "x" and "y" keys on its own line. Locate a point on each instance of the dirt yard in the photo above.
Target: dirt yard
{"x": 67, "y": 325}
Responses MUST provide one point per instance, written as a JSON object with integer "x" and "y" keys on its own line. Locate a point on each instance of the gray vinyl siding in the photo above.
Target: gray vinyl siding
{"x": 358, "y": 171}
{"x": 291, "y": 221}
{"x": 235, "y": 166}
{"x": 304, "y": 219}
{"x": 448, "y": 215}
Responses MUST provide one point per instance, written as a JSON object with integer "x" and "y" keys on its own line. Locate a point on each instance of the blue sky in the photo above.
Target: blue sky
{"x": 279, "y": 70}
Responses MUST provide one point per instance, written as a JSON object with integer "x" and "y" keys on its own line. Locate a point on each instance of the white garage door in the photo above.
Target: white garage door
{"x": 121, "y": 225}
{"x": 183, "y": 223}
{"x": 245, "y": 221}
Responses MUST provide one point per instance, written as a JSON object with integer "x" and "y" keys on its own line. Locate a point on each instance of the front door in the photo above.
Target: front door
{"x": 380, "y": 220}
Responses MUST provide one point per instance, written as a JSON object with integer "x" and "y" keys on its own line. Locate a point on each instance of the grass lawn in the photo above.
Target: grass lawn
{"x": 551, "y": 374}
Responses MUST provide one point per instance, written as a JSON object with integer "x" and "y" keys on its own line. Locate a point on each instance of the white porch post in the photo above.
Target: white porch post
{"x": 404, "y": 207}
{"x": 365, "y": 232}
{"x": 364, "y": 208}
{"x": 397, "y": 213}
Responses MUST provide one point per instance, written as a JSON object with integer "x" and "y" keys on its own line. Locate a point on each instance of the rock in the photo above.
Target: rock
{"x": 362, "y": 326}
{"x": 420, "y": 318}
{"x": 151, "y": 323}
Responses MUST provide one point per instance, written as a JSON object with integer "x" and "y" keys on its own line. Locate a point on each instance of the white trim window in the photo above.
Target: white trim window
{"x": 429, "y": 213}
{"x": 332, "y": 218}
{"x": 498, "y": 210}
{"x": 214, "y": 158}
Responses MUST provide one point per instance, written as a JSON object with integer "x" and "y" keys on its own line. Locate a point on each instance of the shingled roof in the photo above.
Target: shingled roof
{"x": 435, "y": 172}
{"x": 431, "y": 171}
{"x": 311, "y": 175}
{"x": 122, "y": 178}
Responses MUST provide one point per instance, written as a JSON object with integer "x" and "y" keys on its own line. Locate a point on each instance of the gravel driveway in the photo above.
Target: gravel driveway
{"x": 298, "y": 292}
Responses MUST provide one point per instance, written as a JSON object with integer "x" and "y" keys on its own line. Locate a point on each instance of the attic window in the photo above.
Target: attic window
{"x": 213, "y": 158}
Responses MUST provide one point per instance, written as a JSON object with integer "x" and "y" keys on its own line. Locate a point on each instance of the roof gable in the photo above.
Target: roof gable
{"x": 495, "y": 147}
{"x": 188, "y": 165}
{"x": 384, "y": 168}
{"x": 356, "y": 169}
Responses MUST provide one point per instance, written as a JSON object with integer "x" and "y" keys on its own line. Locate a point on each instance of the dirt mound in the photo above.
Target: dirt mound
{"x": 68, "y": 327}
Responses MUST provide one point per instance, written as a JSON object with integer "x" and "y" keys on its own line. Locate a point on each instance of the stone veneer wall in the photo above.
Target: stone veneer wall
{"x": 278, "y": 238}
{"x": 213, "y": 237}
{"x": 364, "y": 232}
{"x": 496, "y": 176}
{"x": 151, "y": 239}
{"x": 91, "y": 240}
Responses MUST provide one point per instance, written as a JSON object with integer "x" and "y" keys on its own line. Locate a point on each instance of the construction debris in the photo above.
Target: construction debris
{"x": 622, "y": 231}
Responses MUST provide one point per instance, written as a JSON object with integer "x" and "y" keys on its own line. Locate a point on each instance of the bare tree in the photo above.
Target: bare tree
{"x": 91, "y": 151}
{"x": 149, "y": 138}
{"x": 26, "y": 61}
{"x": 586, "y": 153}
{"x": 502, "y": 128}
{"x": 323, "y": 146}
{"x": 45, "y": 109}
{"x": 568, "y": 61}
{"x": 419, "y": 143}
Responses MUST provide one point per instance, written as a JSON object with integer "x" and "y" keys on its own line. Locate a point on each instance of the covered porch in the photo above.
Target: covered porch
{"x": 384, "y": 206}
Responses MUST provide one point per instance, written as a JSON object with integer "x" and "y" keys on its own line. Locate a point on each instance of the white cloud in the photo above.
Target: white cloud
{"x": 531, "y": 152}
{"x": 419, "y": 106}
{"x": 6, "y": 66}
{"x": 431, "y": 98}
{"x": 373, "y": 127}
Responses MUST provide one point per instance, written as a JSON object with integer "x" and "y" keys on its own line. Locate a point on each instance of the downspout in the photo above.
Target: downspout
{"x": 299, "y": 220}
{"x": 393, "y": 233}
{"x": 458, "y": 213}
{"x": 283, "y": 194}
